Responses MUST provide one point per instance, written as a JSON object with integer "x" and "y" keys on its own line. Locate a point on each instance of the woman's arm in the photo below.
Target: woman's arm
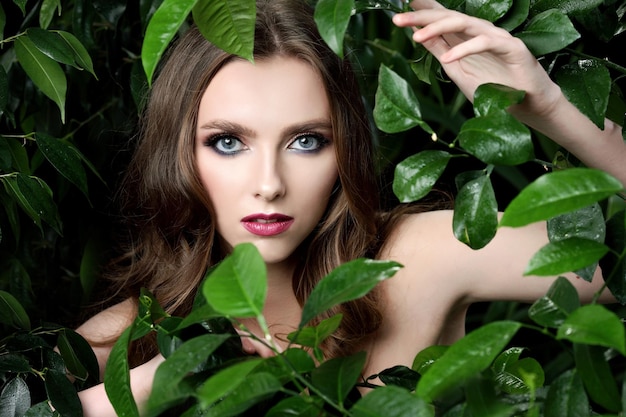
{"x": 473, "y": 51}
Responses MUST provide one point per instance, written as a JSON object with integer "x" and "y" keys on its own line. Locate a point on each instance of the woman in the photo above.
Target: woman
{"x": 277, "y": 153}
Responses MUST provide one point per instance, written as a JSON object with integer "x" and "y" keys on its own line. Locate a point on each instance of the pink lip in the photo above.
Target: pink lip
{"x": 267, "y": 224}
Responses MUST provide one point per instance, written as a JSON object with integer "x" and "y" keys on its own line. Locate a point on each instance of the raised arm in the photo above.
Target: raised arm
{"x": 473, "y": 51}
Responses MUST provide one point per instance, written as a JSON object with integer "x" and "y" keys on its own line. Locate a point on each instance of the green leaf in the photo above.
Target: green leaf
{"x": 552, "y": 309}
{"x": 238, "y": 286}
{"x": 396, "y": 108}
{"x": 490, "y": 10}
{"x": 168, "y": 388}
{"x": 117, "y": 378}
{"x": 3, "y": 21}
{"x": 313, "y": 336}
{"x": 41, "y": 409}
{"x": 43, "y": 71}
{"x": 497, "y": 138}
{"x": 297, "y": 406}
{"x": 567, "y": 397}
{"x": 4, "y": 89}
{"x": 229, "y": 25}
{"x": 391, "y": 401}
{"x": 15, "y": 398}
{"x": 46, "y": 13}
{"x": 597, "y": 377}
{"x": 162, "y": 27}
{"x": 465, "y": 358}
{"x": 337, "y": 376}
{"x": 12, "y": 312}
{"x": 74, "y": 366}
{"x": 13, "y": 362}
{"x": 520, "y": 376}
{"x": 82, "y": 60}
{"x": 62, "y": 394}
{"x": 594, "y": 325}
{"x": 332, "y": 18}
{"x": 427, "y": 357}
{"x": 587, "y": 85}
{"x": 565, "y": 6}
{"x": 225, "y": 381}
{"x": 516, "y": 15}
{"x": 614, "y": 263}
{"x": 400, "y": 376}
{"x": 481, "y": 399}
{"x": 347, "y": 282}
{"x": 559, "y": 192}
{"x": 51, "y": 45}
{"x": 22, "y": 5}
{"x": 64, "y": 159}
{"x": 255, "y": 388}
{"x": 495, "y": 98}
{"x": 475, "y": 219}
{"x": 565, "y": 255}
{"x": 548, "y": 32}
{"x": 416, "y": 175}
{"x": 35, "y": 198}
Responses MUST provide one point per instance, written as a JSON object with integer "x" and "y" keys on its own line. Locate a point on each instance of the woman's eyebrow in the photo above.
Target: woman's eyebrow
{"x": 308, "y": 126}
{"x": 291, "y": 130}
{"x": 228, "y": 126}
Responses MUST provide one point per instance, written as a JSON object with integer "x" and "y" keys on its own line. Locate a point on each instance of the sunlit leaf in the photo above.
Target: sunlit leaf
{"x": 475, "y": 219}
{"x": 396, "y": 108}
{"x": 238, "y": 286}
{"x": 43, "y": 71}
{"x": 391, "y": 401}
{"x": 497, "y": 138}
{"x": 553, "y": 308}
{"x": 162, "y": 27}
{"x": 559, "y": 192}
{"x": 465, "y": 358}
{"x": 332, "y": 18}
{"x": 594, "y": 325}
{"x": 548, "y": 32}
{"x": 228, "y": 25}
{"x": 416, "y": 175}
{"x": 587, "y": 84}
{"x": 347, "y": 282}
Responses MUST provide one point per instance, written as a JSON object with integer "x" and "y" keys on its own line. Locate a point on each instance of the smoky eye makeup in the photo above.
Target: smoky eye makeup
{"x": 309, "y": 142}
{"x": 225, "y": 144}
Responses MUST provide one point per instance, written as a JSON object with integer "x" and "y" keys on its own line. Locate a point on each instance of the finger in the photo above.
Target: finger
{"x": 425, "y": 4}
{"x": 511, "y": 47}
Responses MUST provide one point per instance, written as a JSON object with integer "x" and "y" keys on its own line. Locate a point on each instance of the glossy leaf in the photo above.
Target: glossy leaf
{"x": 516, "y": 15}
{"x": 416, "y": 175}
{"x": 565, "y": 6}
{"x": 74, "y": 366}
{"x": 43, "y": 71}
{"x": 255, "y": 388}
{"x": 347, "y": 282}
{"x": 547, "y": 32}
{"x": 520, "y": 376}
{"x": 12, "y": 312}
{"x": 168, "y": 387}
{"x": 391, "y": 401}
{"x": 559, "y": 192}
{"x": 64, "y": 159}
{"x": 35, "y": 198}
{"x": 82, "y": 60}
{"x": 41, "y": 409}
{"x": 336, "y": 377}
{"x": 475, "y": 218}
{"x": 567, "y": 397}
{"x": 587, "y": 85}
{"x": 481, "y": 399}
{"x": 465, "y": 358}
{"x": 162, "y": 27}
{"x": 427, "y": 357}
{"x": 238, "y": 286}
{"x": 312, "y": 336}
{"x": 565, "y": 255}
{"x": 117, "y": 378}
{"x": 597, "y": 377}
{"x": 14, "y": 398}
{"x": 50, "y": 44}
{"x": 396, "y": 108}
{"x": 47, "y": 12}
{"x": 332, "y": 18}
{"x": 498, "y": 139}
{"x": 62, "y": 394}
{"x": 228, "y": 25}
{"x": 297, "y": 406}
{"x": 490, "y": 10}
{"x": 494, "y": 98}
{"x": 225, "y": 381}
{"x": 400, "y": 376}
{"x": 14, "y": 362}
{"x": 552, "y": 309}
{"x": 594, "y": 325}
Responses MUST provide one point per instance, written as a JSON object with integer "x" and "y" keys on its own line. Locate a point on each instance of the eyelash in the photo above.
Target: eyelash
{"x": 213, "y": 140}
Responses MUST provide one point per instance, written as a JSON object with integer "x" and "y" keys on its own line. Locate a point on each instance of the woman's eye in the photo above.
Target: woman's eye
{"x": 226, "y": 144}
{"x": 308, "y": 143}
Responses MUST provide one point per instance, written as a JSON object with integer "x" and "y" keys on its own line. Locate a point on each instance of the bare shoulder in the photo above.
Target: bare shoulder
{"x": 110, "y": 323}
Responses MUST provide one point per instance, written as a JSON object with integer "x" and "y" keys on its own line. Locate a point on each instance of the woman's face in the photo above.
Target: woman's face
{"x": 265, "y": 154}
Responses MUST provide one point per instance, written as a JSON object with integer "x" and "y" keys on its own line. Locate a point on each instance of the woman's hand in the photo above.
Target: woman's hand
{"x": 473, "y": 51}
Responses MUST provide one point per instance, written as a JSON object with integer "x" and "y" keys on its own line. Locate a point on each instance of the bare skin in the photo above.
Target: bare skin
{"x": 426, "y": 301}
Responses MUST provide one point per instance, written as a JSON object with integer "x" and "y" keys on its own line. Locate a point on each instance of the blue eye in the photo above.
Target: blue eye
{"x": 226, "y": 144}
{"x": 308, "y": 142}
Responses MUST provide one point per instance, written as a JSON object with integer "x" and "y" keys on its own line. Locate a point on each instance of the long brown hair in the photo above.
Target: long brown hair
{"x": 173, "y": 234}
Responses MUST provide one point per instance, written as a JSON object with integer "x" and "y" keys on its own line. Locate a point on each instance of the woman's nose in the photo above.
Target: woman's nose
{"x": 269, "y": 178}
